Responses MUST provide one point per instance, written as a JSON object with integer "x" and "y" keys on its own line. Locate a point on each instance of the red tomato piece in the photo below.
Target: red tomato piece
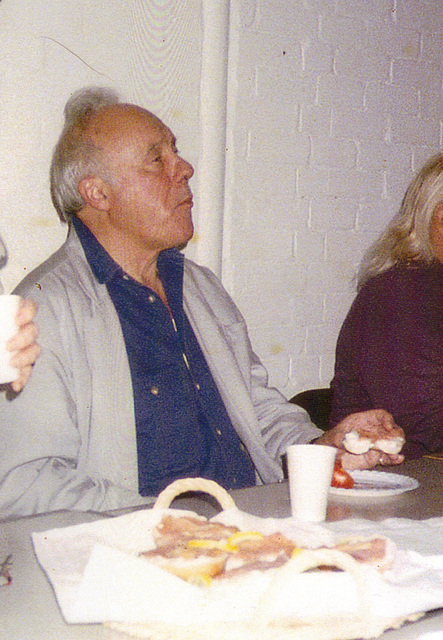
{"x": 341, "y": 478}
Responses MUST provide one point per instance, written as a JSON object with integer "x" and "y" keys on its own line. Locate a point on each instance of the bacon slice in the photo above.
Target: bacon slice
{"x": 172, "y": 530}
{"x": 377, "y": 552}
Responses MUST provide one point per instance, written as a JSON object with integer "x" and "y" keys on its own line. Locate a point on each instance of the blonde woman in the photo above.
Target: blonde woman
{"x": 390, "y": 349}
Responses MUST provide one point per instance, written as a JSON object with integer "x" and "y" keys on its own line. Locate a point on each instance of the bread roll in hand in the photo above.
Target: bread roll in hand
{"x": 361, "y": 441}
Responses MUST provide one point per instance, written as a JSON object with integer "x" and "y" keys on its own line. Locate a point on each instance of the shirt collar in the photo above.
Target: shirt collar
{"x": 104, "y": 267}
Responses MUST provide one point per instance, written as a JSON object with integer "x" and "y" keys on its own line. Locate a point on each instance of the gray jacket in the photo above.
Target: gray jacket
{"x": 68, "y": 439}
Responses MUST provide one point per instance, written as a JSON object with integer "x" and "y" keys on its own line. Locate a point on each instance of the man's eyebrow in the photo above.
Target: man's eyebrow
{"x": 171, "y": 141}
{"x": 153, "y": 147}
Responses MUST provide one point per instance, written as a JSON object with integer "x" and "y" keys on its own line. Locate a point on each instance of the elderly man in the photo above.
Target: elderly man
{"x": 147, "y": 373}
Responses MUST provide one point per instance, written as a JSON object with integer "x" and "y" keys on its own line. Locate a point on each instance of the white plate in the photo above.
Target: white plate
{"x": 376, "y": 484}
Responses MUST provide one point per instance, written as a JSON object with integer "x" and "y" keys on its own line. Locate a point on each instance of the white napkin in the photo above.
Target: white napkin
{"x": 97, "y": 576}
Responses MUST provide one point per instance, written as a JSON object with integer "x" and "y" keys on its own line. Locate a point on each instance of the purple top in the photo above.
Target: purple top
{"x": 390, "y": 354}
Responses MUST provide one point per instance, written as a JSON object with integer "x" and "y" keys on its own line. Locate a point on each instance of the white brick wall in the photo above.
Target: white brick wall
{"x": 335, "y": 104}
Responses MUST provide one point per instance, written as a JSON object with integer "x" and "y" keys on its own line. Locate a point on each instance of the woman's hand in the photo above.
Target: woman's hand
{"x": 24, "y": 343}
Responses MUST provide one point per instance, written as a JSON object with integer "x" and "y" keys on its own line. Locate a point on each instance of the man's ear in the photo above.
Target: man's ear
{"x": 94, "y": 192}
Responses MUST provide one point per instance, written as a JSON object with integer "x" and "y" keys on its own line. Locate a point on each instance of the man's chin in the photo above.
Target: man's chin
{"x": 185, "y": 242}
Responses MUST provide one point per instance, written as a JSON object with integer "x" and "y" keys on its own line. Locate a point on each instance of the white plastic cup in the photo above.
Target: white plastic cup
{"x": 8, "y": 327}
{"x": 310, "y": 468}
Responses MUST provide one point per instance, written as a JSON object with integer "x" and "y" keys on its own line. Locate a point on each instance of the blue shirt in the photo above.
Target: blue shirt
{"x": 182, "y": 426}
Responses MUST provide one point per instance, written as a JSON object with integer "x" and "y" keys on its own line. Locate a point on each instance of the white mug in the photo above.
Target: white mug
{"x": 8, "y": 327}
{"x": 310, "y": 468}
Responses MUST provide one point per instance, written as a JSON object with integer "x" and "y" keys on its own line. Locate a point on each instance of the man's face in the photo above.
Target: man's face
{"x": 150, "y": 201}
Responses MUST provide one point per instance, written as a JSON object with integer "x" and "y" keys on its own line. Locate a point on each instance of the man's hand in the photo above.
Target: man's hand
{"x": 376, "y": 422}
{"x": 24, "y": 343}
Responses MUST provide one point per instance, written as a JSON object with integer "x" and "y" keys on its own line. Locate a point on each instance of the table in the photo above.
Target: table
{"x": 424, "y": 502}
{"x": 28, "y": 606}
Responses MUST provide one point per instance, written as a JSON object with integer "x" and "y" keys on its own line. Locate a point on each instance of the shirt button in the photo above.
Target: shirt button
{"x": 197, "y": 386}
{"x": 218, "y": 432}
{"x": 151, "y": 298}
{"x": 125, "y": 277}
{"x": 155, "y": 391}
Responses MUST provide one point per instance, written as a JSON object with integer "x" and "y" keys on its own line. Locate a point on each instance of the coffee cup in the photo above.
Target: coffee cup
{"x": 9, "y": 305}
{"x": 310, "y": 468}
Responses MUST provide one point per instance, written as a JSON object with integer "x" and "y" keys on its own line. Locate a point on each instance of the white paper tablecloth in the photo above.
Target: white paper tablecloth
{"x": 97, "y": 576}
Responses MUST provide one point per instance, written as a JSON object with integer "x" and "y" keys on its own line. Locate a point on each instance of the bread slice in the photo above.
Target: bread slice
{"x": 359, "y": 443}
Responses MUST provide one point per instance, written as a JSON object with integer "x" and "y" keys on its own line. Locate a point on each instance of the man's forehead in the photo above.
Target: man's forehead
{"x": 122, "y": 120}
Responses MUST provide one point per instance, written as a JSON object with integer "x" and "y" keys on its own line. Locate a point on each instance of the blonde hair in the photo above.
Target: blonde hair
{"x": 407, "y": 239}
{"x": 75, "y": 157}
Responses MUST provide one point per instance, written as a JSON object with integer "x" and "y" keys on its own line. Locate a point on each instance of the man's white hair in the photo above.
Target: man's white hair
{"x": 75, "y": 157}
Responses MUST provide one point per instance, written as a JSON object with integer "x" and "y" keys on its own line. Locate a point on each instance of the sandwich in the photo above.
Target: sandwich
{"x": 361, "y": 440}
{"x": 200, "y": 551}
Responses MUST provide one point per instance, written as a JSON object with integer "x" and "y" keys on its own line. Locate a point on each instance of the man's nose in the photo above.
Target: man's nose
{"x": 183, "y": 169}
